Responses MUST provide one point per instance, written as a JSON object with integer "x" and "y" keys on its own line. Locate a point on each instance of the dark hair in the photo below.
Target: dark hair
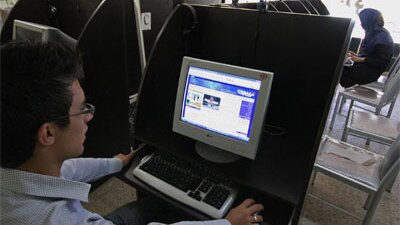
{"x": 36, "y": 81}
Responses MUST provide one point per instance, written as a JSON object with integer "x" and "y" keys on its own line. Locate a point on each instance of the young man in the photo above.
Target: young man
{"x": 44, "y": 119}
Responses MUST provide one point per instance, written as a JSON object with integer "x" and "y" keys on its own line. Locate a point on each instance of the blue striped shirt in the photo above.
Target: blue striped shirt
{"x": 35, "y": 199}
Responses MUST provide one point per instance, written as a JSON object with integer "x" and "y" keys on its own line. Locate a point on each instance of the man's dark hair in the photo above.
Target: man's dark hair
{"x": 36, "y": 81}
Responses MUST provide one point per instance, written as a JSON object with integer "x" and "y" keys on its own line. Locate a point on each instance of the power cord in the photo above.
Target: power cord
{"x": 274, "y": 130}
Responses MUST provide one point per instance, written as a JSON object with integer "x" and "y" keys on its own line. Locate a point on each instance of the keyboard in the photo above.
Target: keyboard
{"x": 187, "y": 183}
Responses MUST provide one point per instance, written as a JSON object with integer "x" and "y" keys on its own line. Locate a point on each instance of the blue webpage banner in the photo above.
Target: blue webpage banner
{"x": 224, "y": 87}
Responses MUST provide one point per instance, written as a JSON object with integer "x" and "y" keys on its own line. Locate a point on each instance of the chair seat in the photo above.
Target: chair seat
{"x": 364, "y": 95}
{"x": 379, "y": 84}
{"x": 358, "y": 164}
{"x": 375, "y": 125}
{"x": 360, "y": 169}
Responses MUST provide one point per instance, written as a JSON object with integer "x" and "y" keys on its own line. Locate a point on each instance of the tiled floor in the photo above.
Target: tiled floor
{"x": 115, "y": 193}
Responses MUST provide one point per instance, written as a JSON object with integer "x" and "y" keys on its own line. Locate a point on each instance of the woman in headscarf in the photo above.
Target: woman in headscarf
{"x": 375, "y": 53}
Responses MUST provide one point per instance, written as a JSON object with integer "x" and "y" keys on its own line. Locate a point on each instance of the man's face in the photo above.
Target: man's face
{"x": 69, "y": 140}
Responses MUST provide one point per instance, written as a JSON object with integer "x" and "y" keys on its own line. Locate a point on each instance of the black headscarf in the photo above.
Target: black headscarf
{"x": 372, "y": 22}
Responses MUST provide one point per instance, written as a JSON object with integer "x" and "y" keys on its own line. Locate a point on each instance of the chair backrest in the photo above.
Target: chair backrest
{"x": 391, "y": 157}
{"x": 394, "y": 66}
{"x": 392, "y": 85}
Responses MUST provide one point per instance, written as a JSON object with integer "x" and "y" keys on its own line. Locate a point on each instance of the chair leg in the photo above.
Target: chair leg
{"x": 372, "y": 207}
{"x": 350, "y": 107}
{"x": 342, "y": 102}
{"x": 377, "y": 112}
{"x": 390, "y": 186}
{"x": 313, "y": 176}
{"x": 335, "y": 110}
{"x": 389, "y": 114}
{"x": 345, "y": 133}
{"x": 368, "y": 202}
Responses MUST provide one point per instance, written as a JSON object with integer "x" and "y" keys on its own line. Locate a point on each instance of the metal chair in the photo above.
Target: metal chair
{"x": 371, "y": 127}
{"x": 370, "y": 96}
{"x": 360, "y": 169}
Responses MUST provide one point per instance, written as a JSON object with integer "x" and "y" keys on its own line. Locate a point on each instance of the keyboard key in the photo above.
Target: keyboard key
{"x": 195, "y": 195}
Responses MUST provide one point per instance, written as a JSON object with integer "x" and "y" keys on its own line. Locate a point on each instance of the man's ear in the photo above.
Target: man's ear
{"x": 45, "y": 135}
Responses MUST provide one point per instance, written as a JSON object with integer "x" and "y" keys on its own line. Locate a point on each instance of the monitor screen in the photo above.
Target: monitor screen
{"x": 222, "y": 107}
{"x": 24, "y": 30}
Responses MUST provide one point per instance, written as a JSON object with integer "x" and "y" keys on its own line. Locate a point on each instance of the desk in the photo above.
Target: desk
{"x": 265, "y": 179}
{"x": 300, "y": 96}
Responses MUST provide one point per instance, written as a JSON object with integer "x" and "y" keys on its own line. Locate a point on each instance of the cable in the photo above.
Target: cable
{"x": 52, "y": 10}
{"x": 188, "y": 30}
{"x": 274, "y": 130}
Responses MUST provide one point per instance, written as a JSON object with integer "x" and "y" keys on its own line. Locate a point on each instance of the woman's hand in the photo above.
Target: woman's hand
{"x": 350, "y": 53}
{"x": 353, "y": 56}
{"x": 356, "y": 58}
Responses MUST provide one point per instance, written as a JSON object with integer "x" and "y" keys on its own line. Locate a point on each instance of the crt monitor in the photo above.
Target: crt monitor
{"x": 24, "y": 30}
{"x": 222, "y": 107}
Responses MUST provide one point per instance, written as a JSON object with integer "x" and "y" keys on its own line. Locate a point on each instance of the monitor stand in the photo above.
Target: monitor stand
{"x": 214, "y": 154}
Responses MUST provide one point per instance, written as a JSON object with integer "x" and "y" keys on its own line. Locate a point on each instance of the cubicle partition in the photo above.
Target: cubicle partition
{"x": 304, "y": 52}
{"x": 111, "y": 62}
{"x": 159, "y": 11}
{"x": 313, "y": 7}
{"x": 71, "y": 16}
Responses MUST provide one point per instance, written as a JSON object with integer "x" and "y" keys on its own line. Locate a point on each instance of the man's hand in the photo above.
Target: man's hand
{"x": 126, "y": 158}
{"x": 245, "y": 213}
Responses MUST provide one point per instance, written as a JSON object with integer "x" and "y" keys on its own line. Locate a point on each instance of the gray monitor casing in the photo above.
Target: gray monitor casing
{"x": 24, "y": 30}
{"x": 245, "y": 149}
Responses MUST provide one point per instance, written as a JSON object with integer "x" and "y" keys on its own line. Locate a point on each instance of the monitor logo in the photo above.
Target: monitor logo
{"x": 263, "y": 76}
{"x": 246, "y": 93}
{"x": 209, "y": 135}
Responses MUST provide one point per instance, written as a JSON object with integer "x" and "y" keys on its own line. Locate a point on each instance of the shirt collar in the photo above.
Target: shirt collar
{"x": 43, "y": 185}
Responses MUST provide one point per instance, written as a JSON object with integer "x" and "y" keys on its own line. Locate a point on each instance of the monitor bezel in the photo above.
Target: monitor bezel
{"x": 245, "y": 149}
{"x": 43, "y": 29}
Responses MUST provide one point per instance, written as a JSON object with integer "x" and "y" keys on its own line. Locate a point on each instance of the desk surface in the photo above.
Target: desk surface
{"x": 278, "y": 170}
{"x": 275, "y": 178}
{"x": 141, "y": 186}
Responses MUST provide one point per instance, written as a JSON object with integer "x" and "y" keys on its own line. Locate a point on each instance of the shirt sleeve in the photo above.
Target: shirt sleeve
{"x": 208, "y": 222}
{"x": 89, "y": 169}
